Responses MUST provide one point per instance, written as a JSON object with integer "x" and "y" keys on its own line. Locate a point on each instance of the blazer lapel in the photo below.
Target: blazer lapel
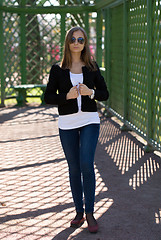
{"x": 67, "y": 78}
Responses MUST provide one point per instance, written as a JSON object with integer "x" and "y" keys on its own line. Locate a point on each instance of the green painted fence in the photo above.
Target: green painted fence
{"x": 133, "y": 66}
{"x": 125, "y": 35}
{"x": 31, "y": 39}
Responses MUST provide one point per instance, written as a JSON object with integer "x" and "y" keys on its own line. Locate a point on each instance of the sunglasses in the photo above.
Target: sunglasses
{"x": 79, "y": 40}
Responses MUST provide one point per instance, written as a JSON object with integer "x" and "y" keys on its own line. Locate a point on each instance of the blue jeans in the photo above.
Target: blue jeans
{"x": 79, "y": 146}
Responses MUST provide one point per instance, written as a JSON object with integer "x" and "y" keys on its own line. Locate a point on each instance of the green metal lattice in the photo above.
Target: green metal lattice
{"x": 134, "y": 64}
{"x": 156, "y": 72}
{"x": 137, "y": 67}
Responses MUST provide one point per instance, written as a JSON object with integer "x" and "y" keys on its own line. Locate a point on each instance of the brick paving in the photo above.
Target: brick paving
{"x": 36, "y": 201}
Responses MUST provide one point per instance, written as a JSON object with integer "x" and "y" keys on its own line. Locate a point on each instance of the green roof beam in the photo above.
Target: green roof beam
{"x": 44, "y": 10}
{"x": 103, "y": 3}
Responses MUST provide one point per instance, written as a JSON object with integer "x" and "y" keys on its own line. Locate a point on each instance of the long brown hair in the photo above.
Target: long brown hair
{"x": 86, "y": 56}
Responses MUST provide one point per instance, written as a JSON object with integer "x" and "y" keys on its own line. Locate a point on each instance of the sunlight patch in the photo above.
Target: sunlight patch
{"x": 144, "y": 173}
{"x": 125, "y": 153}
{"x": 158, "y": 216}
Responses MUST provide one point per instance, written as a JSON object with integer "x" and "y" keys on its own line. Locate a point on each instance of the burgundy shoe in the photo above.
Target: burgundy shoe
{"x": 77, "y": 223}
{"x": 93, "y": 229}
{"x": 92, "y": 223}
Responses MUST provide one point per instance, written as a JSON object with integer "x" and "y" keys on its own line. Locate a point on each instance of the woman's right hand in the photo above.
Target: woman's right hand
{"x": 73, "y": 93}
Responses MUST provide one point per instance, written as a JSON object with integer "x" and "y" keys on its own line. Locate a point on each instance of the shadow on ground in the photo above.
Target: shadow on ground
{"x": 36, "y": 201}
{"x": 132, "y": 178}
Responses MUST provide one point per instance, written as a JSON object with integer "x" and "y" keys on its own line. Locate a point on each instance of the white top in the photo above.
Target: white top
{"x": 76, "y": 79}
{"x": 80, "y": 118}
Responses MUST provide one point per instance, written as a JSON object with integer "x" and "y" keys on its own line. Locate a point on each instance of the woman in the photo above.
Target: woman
{"x": 74, "y": 86}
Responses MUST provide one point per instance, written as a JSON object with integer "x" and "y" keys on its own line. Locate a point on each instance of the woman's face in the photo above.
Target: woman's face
{"x": 77, "y": 44}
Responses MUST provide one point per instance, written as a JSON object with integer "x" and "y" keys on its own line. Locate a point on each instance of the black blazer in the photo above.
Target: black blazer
{"x": 59, "y": 85}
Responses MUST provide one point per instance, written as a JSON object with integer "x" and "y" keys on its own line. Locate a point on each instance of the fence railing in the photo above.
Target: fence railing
{"x": 133, "y": 65}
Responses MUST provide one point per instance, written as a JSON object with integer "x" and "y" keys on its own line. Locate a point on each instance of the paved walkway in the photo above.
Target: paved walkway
{"x": 36, "y": 201}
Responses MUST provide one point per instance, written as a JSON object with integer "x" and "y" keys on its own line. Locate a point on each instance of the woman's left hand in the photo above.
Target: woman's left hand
{"x": 84, "y": 90}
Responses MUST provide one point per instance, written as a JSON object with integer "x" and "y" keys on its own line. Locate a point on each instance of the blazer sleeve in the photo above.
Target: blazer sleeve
{"x": 51, "y": 95}
{"x": 101, "y": 92}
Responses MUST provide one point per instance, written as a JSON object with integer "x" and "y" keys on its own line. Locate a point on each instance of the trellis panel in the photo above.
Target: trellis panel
{"x": 137, "y": 64}
{"x": 156, "y": 73}
{"x": 11, "y": 51}
{"x": 42, "y": 44}
{"x": 140, "y": 109}
{"x": 33, "y": 42}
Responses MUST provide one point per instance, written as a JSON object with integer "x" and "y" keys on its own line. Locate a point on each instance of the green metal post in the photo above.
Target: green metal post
{"x": 148, "y": 147}
{"x": 99, "y": 38}
{"x": 125, "y": 22}
{"x": 107, "y": 49}
{"x": 23, "y": 44}
{"x": 125, "y": 65}
{"x": 2, "y": 59}
{"x": 87, "y": 23}
{"x": 63, "y": 31}
{"x": 21, "y": 99}
{"x": 107, "y": 56}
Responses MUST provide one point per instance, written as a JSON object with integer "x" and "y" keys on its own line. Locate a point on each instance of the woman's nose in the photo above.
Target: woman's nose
{"x": 76, "y": 41}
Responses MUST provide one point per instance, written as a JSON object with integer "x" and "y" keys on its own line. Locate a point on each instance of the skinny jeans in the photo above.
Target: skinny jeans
{"x": 79, "y": 147}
